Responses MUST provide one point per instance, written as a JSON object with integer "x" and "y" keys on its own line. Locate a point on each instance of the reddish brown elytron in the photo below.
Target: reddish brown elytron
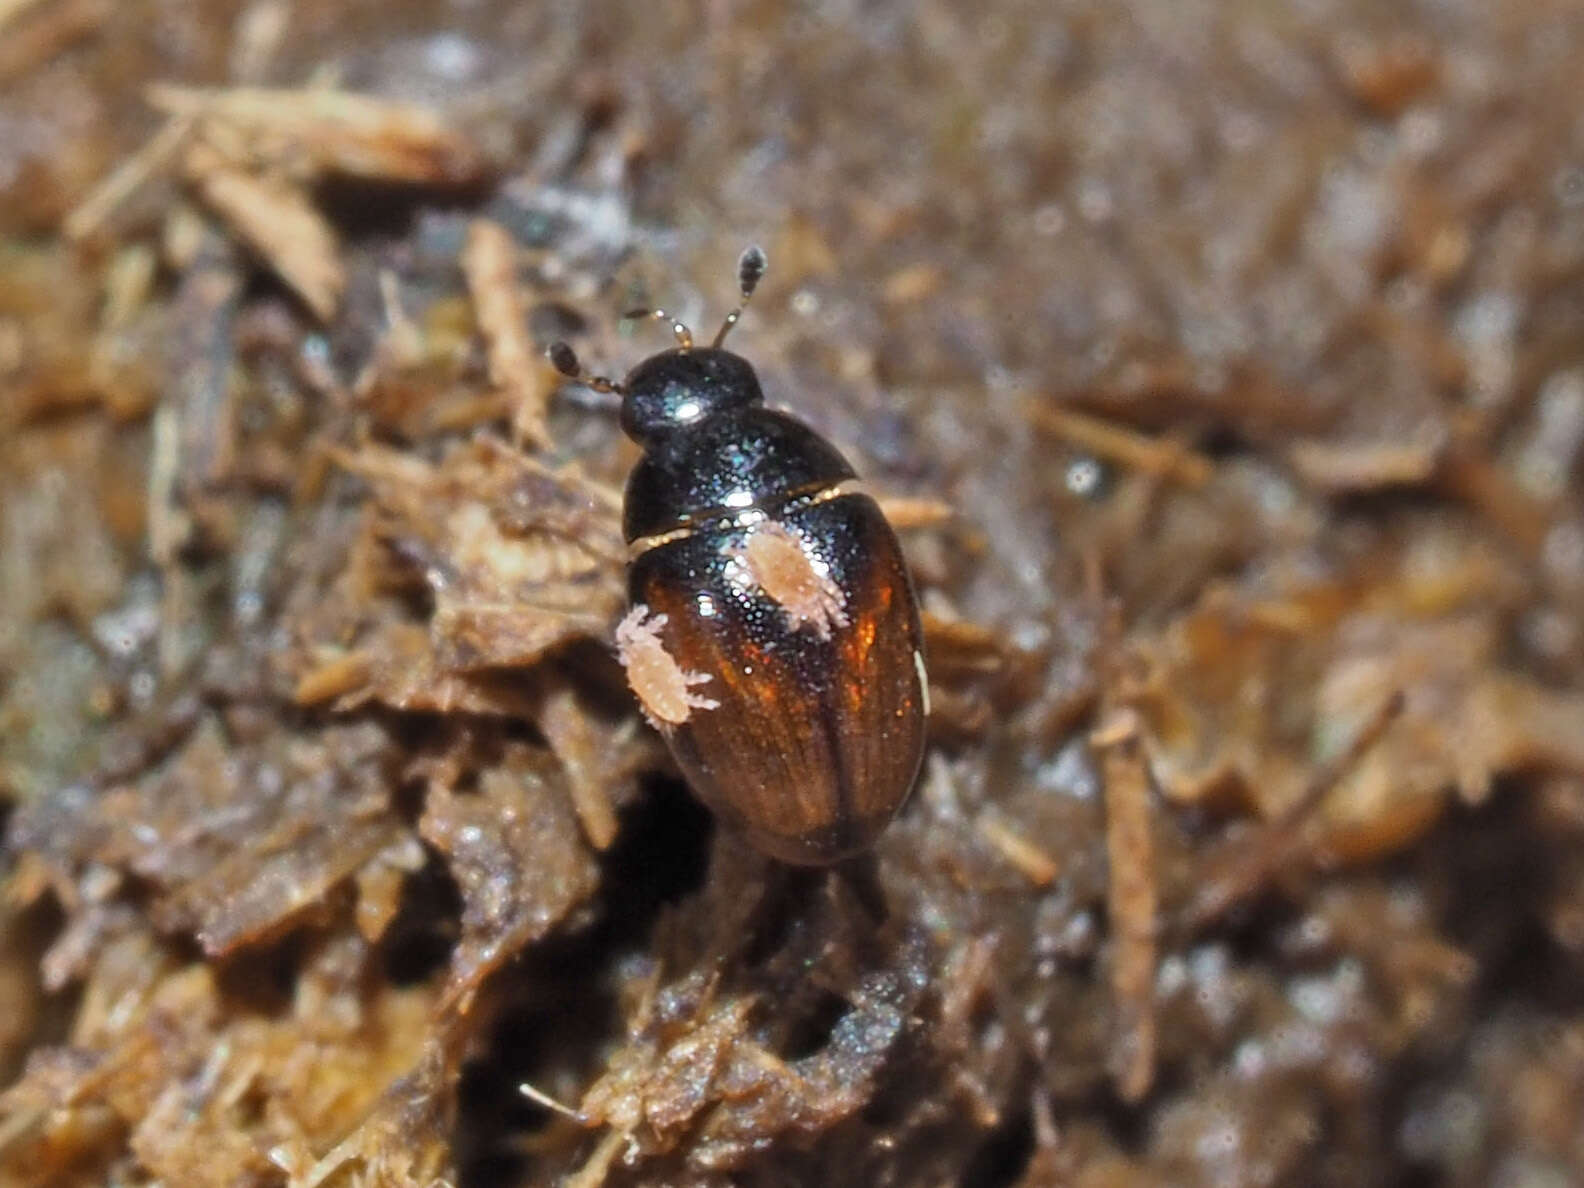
{"x": 774, "y": 638}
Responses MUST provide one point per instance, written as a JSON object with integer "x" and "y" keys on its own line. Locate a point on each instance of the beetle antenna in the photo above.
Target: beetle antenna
{"x": 751, "y": 267}
{"x": 684, "y": 336}
{"x": 564, "y": 359}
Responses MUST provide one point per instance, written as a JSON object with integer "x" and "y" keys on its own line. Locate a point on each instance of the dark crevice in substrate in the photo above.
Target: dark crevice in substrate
{"x": 418, "y": 942}
{"x": 375, "y": 211}
{"x": 1004, "y": 1156}
{"x": 561, "y": 1008}
{"x": 812, "y": 1030}
{"x": 660, "y": 856}
{"x": 1497, "y": 881}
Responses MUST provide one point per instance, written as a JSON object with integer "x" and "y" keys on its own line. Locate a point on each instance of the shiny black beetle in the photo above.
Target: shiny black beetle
{"x": 774, "y": 634}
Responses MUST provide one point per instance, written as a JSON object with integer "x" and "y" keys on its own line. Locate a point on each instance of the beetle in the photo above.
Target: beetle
{"x": 773, "y": 637}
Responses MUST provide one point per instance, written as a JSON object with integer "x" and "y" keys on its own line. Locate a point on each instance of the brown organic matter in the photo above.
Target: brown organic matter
{"x": 1221, "y": 370}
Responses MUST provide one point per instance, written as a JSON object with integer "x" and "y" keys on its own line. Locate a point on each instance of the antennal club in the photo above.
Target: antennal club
{"x": 751, "y": 267}
{"x": 564, "y": 359}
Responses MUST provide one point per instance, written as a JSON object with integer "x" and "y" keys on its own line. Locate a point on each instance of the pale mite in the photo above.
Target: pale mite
{"x": 664, "y": 688}
{"x": 779, "y": 561}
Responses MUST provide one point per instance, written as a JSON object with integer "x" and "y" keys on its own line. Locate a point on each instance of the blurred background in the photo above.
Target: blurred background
{"x": 1223, "y": 368}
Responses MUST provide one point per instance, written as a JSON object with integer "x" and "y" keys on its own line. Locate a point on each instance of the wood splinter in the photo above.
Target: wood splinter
{"x": 1237, "y": 876}
{"x": 1132, "y": 896}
